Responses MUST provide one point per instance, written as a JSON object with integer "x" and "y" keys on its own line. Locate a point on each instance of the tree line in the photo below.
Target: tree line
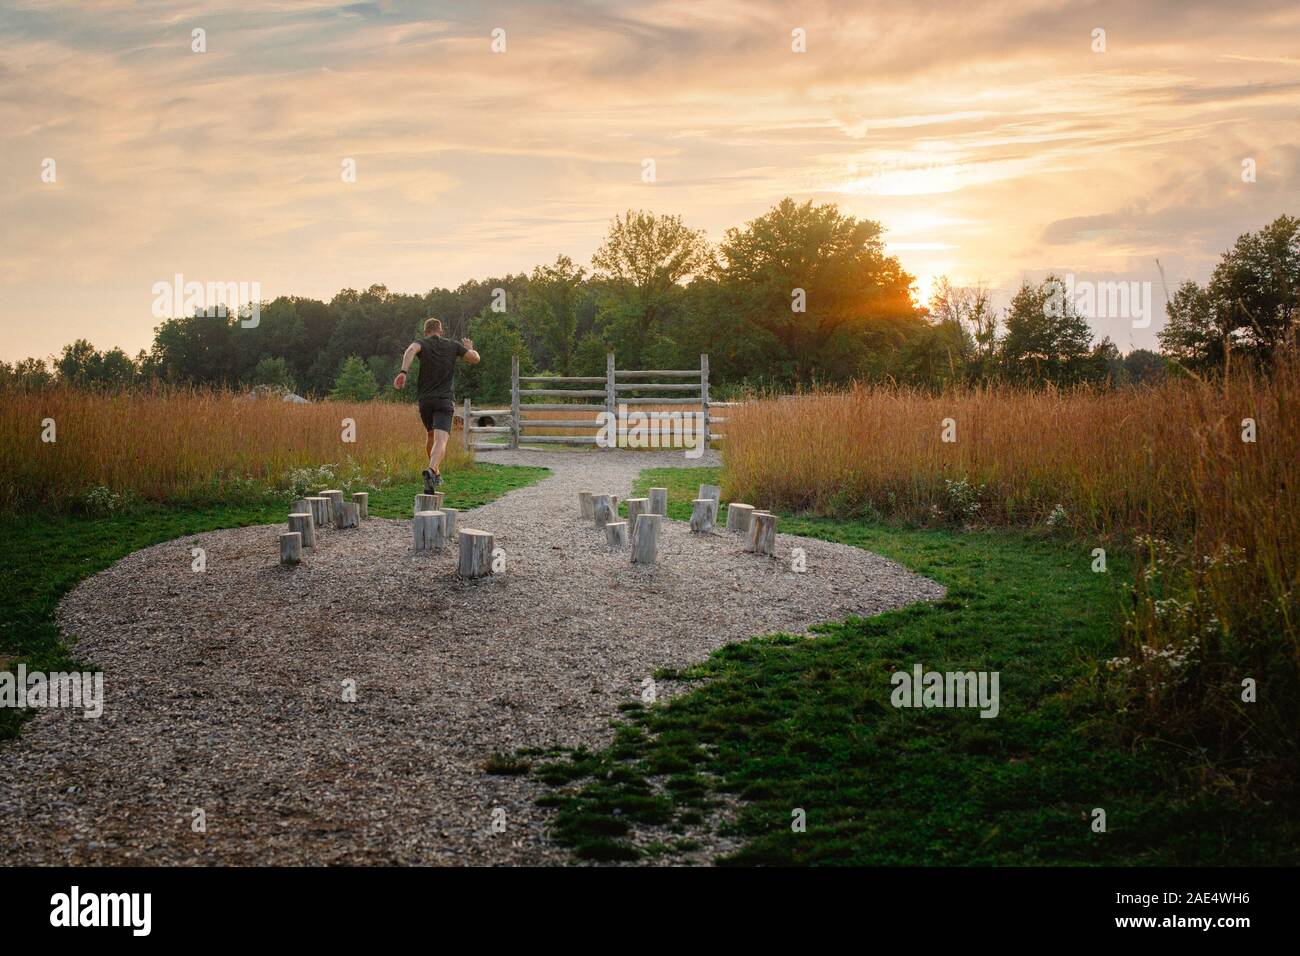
{"x": 801, "y": 296}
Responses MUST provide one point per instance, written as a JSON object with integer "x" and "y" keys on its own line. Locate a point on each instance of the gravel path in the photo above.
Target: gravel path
{"x": 224, "y": 690}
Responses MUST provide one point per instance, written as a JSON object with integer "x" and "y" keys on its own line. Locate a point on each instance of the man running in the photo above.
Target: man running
{"x": 437, "y": 408}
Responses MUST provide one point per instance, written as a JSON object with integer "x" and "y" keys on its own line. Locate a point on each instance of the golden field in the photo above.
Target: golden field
{"x": 172, "y": 444}
{"x": 1167, "y": 475}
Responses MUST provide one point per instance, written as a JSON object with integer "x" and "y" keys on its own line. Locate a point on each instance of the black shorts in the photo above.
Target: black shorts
{"x": 437, "y": 413}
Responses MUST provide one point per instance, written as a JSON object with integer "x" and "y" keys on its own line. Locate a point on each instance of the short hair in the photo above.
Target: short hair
{"x": 432, "y": 325}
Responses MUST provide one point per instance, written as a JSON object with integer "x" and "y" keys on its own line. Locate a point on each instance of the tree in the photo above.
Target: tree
{"x": 32, "y": 373}
{"x": 355, "y": 382}
{"x": 1046, "y": 338}
{"x": 640, "y": 265}
{"x": 1256, "y": 285}
{"x": 496, "y": 339}
{"x": 1250, "y": 305}
{"x": 1194, "y": 334}
{"x": 550, "y": 305}
{"x": 273, "y": 372}
{"x": 819, "y": 283}
{"x": 1144, "y": 367}
{"x": 83, "y": 366}
{"x": 969, "y": 308}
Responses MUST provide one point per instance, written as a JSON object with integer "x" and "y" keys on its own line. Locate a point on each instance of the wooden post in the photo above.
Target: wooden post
{"x": 602, "y": 510}
{"x": 738, "y": 517}
{"x": 616, "y": 534}
{"x": 427, "y": 529}
{"x": 425, "y": 503}
{"x": 465, "y": 433}
{"x": 349, "y": 515}
{"x": 658, "y": 501}
{"x": 320, "y": 511}
{"x": 702, "y": 515}
{"x": 762, "y": 533}
{"x": 449, "y": 523}
{"x": 713, "y": 493}
{"x": 584, "y": 505}
{"x": 611, "y": 393}
{"x": 336, "y": 504}
{"x": 305, "y": 525}
{"x": 362, "y": 501}
{"x": 645, "y": 547}
{"x": 299, "y": 506}
{"x": 290, "y": 549}
{"x": 475, "y": 560}
{"x": 704, "y": 395}
{"x": 514, "y": 401}
{"x": 635, "y": 507}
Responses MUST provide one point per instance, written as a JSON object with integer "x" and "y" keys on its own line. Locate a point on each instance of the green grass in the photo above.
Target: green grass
{"x": 784, "y": 723}
{"x": 43, "y": 556}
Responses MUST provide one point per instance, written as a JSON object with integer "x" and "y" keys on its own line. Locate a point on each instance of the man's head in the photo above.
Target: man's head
{"x": 432, "y": 326}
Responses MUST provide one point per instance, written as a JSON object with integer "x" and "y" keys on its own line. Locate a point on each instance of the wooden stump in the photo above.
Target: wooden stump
{"x": 300, "y": 506}
{"x": 636, "y": 507}
{"x": 616, "y": 534}
{"x": 305, "y": 525}
{"x": 738, "y": 517}
{"x": 658, "y": 501}
{"x": 424, "y": 503}
{"x": 715, "y": 494}
{"x": 602, "y": 509}
{"x": 427, "y": 527}
{"x": 290, "y": 549}
{"x": 584, "y": 505}
{"x": 475, "y": 553}
{"x": 449, "y": 523}
{"x": 348, "y": 516}
{"x": 761, "y": 538}
{"x": 645, "y": 547}
{"x": 336, "y": 504}
{"x": 702, "y": 515}
{"x": 437, "y": 500}
{"x": 320, "y": 511}
{"x": 362, "y": 501}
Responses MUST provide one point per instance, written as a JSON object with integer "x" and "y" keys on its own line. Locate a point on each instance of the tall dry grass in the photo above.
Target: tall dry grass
{"x": 1162, "y": 472}
{"x": 173, "y": 444}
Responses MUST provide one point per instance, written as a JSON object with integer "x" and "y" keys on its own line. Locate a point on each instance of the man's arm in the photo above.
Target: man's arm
{"x": 470, "y": 355}
{"x": 407, "y": 357}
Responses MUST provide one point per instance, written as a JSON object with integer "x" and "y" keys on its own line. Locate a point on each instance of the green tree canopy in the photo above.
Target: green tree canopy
{"x": 355, "y": 382}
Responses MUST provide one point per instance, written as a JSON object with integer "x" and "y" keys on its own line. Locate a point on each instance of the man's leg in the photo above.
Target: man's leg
{"x": 428, "y": 445}
{"x": 438, "y": 438}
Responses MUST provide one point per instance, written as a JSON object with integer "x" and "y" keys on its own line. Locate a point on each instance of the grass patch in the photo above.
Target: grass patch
{"x": 45, "y": 555}
{"x": 792, "y": 724}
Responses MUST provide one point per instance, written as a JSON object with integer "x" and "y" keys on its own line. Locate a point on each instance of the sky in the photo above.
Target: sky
{"x": 995, "y": 142}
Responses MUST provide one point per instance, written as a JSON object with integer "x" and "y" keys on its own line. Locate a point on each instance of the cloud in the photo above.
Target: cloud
{"x": 990, "y": 136}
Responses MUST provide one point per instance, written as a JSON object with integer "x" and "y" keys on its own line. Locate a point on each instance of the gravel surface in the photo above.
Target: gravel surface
{"x": 224, "y": 689}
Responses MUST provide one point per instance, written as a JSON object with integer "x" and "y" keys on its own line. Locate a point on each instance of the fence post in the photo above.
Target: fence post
{"x": 466, "y": 420}
{"x": 704, "y": 395}
{"x": 611, "y": 393}
{"x": 514, "y": 401}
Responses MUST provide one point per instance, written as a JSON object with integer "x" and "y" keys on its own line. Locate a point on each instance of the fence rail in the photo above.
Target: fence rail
{"x": 621, "y": 387}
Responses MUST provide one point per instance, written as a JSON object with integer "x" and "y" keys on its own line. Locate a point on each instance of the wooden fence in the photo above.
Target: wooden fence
{"x": 618, "y": 387}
